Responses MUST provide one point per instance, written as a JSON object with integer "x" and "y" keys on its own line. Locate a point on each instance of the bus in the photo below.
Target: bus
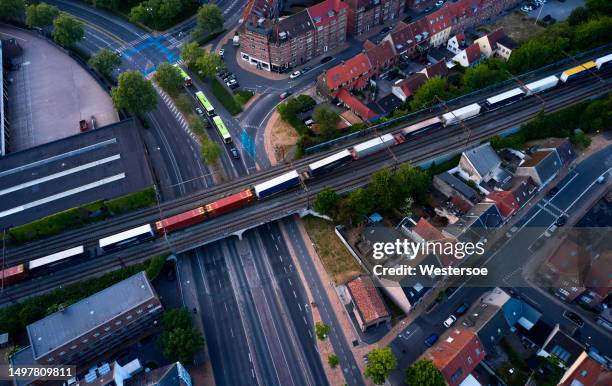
{"x": 210, "y": 110}
{"x": 186, "y": 77}
{"x": 223, "y": 132}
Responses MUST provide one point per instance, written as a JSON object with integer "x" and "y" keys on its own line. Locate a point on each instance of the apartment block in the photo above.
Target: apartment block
{"x": 363, "y": 15}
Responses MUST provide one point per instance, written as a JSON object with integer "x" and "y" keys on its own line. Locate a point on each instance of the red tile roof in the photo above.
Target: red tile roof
{"x": 461, "y": 204}
{"x": 367, "y": 299}
{"x": 438, "y": 69}
{"x": 410, "y": 85}
{"x": 473, "y": 53}
{"x": 505, "y": 202}
{"x": 347, "y": 72}
{"x": 427, "y": 231}
{"x": 381, "y": 55}
{"x": 458, "y": 349}
{"x": 439, "y": 20}
{"x": 323, "y": 12}
{"x": 356, "y": 105}
{"x": 460, "y": 36}
{"x": 587, "y": 372}
{"x": 368, "y": 44}
{"x": 569, "y": 259}
{"x": 495, "y": 36}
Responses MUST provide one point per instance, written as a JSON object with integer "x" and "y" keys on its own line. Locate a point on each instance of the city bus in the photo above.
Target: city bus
{"x": 210, "y": 110}
{"x": 223, "y": 132}
{"x": 186, "y": 77}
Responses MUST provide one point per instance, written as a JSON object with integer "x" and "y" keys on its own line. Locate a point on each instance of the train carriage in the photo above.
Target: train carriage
{"x": 604, "y": 61}
{"x": 277, "y": 185}
{"x": 229, "y": 203}
{"x": 541, "y": 85}
{"x": 328, "y": 163}
{"x": 126, "y": 238}
{"x": 461, "y": 114}
{"x": 180, "y": 220}
{"x": 578, "y": 71}
{"x": 372, "y": 146}
{"x": 13, "y": 275}
{"x": 421, "y": 127}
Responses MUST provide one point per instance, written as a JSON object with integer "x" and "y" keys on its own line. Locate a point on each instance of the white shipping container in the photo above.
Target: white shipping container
{"x": 372, "y": 146}
{"x": 50, "y": 259}
{"x": 329, "y": 160}
{"x": 280, "y": 180}
{"x": 505, "y": 95}
{"x": 463, "y": 113}
{"x": 130, "y": 234}
{"x": 541, "y": 85}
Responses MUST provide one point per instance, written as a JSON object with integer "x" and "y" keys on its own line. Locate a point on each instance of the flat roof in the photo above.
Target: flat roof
{"x": 535, "y": 158}
{"x": 76, "y": 320}
{"x": 101, "y": 164}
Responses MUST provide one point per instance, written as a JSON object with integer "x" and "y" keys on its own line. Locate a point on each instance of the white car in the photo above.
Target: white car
{"x": 450, "y": 321}
{"x": 295, "y": 74}
{"x": 221, "y": 52}
{"x": 439, "y": 3}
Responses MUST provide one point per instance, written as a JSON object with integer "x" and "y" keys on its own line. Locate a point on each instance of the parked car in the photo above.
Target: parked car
{"x": 431, "y": 340}
{"x": 199, "y": 111}
{"x": 326, "y": 59}
{"x": 552, "y": 192}
{"x": 234, "y": 86}
{"x": 574, "y": 317}
{"x": 308, "y": 122}
{"x": 235, "y": 154}
{"x": 450, "y": 321}
{"x": 561, "y": 220}
{"x": 462, "y": 309}
{"x": 284, "y": 95}
{"x": 295, "y": 74}
{"x": 221, "y": 52}
{"x": 601, "y": 179}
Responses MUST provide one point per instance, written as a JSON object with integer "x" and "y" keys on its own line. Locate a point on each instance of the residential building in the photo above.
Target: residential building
{"x": 440, "y": 23}
{"x": 381, "y": 56}
{"x": 449, "y": 185}
{"x": 330, "y": 22}
{"x": 470, "y": 56}
{"x": 356, "y": 106}
{"x": 410, "y": 39}
{"x": 456, "y": 354}
{"x": 477, "y": 224}
{"x": 351, "y": 74}
{"x": 174, "y": 374}
{"x": 488, "y": 43}
{"x": 585, "y": 371}
{"x": 480, "y": 163}
{"x": 522, "y": 188}
{"x": 563, "y": 147}
{"x": 423, "y": 231}
{"x": 519, "y": 313}
{"x": 562, "y": 346}
{"x": 84, "y": 330}
{"x": 505, "y": 202}
{"x": 363, "y": 15}
{"x": 565, "y": 268}
{"x": 405, "y": 88}
{"x": 457, "y": 43}
{"x": 368, "y": 306}
{"x": 505, "y": 46}
{"x": 542, "y": 166}
{"x": 437, "y": 69}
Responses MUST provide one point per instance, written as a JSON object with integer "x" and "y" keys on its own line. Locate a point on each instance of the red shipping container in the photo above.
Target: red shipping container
{"x": 181, "y": 220}
{"x": 13, "y": 274}
{"x": 229, "y": 203}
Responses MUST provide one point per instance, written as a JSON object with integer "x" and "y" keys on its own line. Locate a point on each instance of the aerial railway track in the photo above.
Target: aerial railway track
{"x": 413, "y": 151}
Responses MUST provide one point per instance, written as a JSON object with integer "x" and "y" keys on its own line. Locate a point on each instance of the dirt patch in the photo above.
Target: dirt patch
{"x": 516, "y": 25}
{"x": 338, "y": 262}
{"x": 279, "y": 139}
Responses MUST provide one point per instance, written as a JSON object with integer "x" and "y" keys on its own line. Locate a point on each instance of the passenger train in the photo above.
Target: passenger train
{"x": 294, "y": 178}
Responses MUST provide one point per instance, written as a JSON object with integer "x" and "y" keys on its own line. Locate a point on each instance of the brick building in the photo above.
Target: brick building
{"x": 363, "y": 15}
{"x": 368, "y": 307}
{"x": 330, "y": 22}
{"x": 350, "y": 74}
{"x": 81, "y": 332}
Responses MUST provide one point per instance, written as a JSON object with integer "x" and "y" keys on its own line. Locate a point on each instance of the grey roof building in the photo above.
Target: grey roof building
{"x": 449, "y": 186}
{"x": 477, "y": 223}
{"x": 94, "y": 325}
{"x": 562, "y": 346}
{"x": 480, "y": 163}
{"x": 542, "y": 166}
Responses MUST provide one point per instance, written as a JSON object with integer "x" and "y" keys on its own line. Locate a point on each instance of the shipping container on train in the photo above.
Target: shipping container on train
{"x": 328, "y": 163}
{"x": 603, "y": 61}
{"x": 421, "y": 127}
{"x": 461, "y": 114}
{"x": 181, "y": 220}
{"x": 372, "y": 146}
{"x": 504, "y": 98}
{"x": 578, "y": 71}
{"x": 230, "y": 203}
{"x": 13, "y": 275}
{"x": 276, "y": 185}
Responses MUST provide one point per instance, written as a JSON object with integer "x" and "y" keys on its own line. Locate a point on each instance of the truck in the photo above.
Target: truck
{"x": 236, "y": 41}
{"x": 83, "y": 125}
{"x": 541, "y": 85}
{"x": 461, "y": 114}
{"x": 229, "y": 203}
{"x": 277, "y": 184}
{"x": 372, "y": 146}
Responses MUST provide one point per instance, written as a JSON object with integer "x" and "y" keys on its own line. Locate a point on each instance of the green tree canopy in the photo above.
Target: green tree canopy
{"x": 176, "y": 318}
{"x": 327, "y": 121}
{"x": 190, "y": 53}
{"x": 41, "y": 15}
{"x": 169, "y": 78}
{"x": 429, "y": 92}
{"x": 105, "y": 61}
{"x": 483, "y": 75}
{"x": 210, "y": 18}
{"x": 67, "y": 30}
{"x": 211, "y": 151}
{"x": 134, "y": 93}
{"x": 602, "y": 7}
{"x": 424, "y": 373}
{"x": 11, "y": 10}
{"x": 326, "y": 201}
{"x": 180, "y": 344}
{"x": 361, "y": 203}
{"x": 157, "y": 14}
{"x": 332, "y": 360}
{"x": 208, "y": 63}
{"x": 578, "y": 16}
{"x": 321, "y": 330}
{"x": 382, "y": 362}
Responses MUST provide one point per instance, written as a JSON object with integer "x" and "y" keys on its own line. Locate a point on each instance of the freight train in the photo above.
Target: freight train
{"x": 292, "y": 179}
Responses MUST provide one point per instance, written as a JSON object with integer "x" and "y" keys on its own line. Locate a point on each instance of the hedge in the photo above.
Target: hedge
{"x": 225, "y": 97}
{"x": 82, "y": 215}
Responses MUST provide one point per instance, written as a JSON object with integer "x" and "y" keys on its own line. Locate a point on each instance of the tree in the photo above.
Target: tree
{"x": 321, "y": 330}
{"x": 333, "y": 361}
{"x": 593, "y": 33}
{"x": 155, "y": 266}
{"x": 406, "y": 208}
{"x": 210, "y": 18}
{"x": 41, "y": 15}
{"x": 180, "y": 344}
{"x": 326, "y": 201}
{"x": 424, "y": 373}
{"x": 134, "y": 93}
{"x": 361, "y": 202}
{"x": 210, "y": 151}
{"x": 482, "y": 75}
{"x": 105, "y": 62}
{"x": 208, "y": 63}
{"x": 581, "y": 140}
{"x": 190, "y": 53}
{"x": 11, "y": 10}
{"x": 578, "y": 16}
{"x": 158, "y": 14}
{"x": 429, "y": 92}
{"x": 327, "y": 121}
{"x": 169, "y": 78}
{"x": 603, "y": 7}
{"x": 176, "y": 318}
{"x": 382, "y": 362}
{"x": 411, "y": 182}
{"x": 67, "y": 30}
{"x": 383, "y": 189}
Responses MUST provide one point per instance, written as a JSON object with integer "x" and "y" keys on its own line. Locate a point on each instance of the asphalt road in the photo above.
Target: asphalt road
{"x": 256, "y": 320}
{"x": 506, "y": 264}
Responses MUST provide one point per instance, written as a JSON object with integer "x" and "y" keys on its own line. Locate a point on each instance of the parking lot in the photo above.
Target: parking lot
{"x": 556, "y": 9}
{"x": 49, "y": 93}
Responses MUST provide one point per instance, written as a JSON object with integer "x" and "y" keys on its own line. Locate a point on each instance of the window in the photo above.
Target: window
{"x": 97, "y": 334}
{"x": 477, "y": 352}
{"x": 74, "y": 346}
{"x": 118, "y": 323}
{"x": 62, "y": 353}
{"x": 84, "y": 341}
{"x": 583, "y": 373}
{"x": 470, "y": 360}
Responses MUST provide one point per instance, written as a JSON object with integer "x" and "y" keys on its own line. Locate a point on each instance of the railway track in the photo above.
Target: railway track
{"x": 414, "y": 151}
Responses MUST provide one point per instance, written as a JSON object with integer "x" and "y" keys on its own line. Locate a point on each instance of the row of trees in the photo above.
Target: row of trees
{"x": 388, "y": 191}
{"x": 382, "y": 361}
{"x": 161, "y": 14}
{"x": 204, "y": 62}
{"x": 179, "y": 340}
